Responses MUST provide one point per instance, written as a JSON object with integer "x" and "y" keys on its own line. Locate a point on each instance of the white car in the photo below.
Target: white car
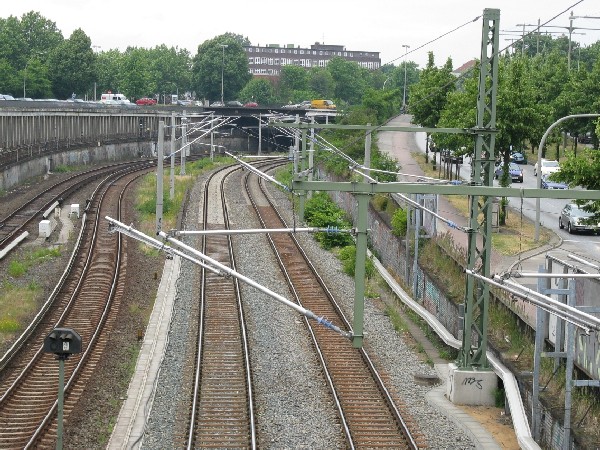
{"x": 548, "y": 166}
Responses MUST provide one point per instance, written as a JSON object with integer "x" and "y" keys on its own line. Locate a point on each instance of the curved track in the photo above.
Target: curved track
{"x": 85, "y": 300}
{"x": 15, "y": 221}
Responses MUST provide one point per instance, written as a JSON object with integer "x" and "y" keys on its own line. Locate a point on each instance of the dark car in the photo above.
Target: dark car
{"x": 518, "y": 158}
{"x": 514, "y": 171}
{"x": 549, "y": 184}
{"x": 576, "y": 219}
{"x": 234, "y": 103}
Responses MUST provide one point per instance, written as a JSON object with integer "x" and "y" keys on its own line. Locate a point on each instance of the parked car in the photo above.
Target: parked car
{"x": 251, "y": 105}
{"x": 184, "y": 102}
{"x": 145, "y": 101}
{"x": 217, "y": 104}
{"x": 548, "y": 166}
{"x": 515, "y": 172}
{"x": 576, "y": 219}
{"x": 518, "y": 158}
{"x": 549, "y": 184}
{"x": 234, "y": 103}
{"x": 290, "y": 106}
{"x": 6, "y": 97}
{"x": 306, "y": 104}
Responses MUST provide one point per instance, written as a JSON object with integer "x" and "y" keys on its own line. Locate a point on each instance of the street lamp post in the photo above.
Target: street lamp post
{"x": 539, "y": 166}
{"x": 223, "y": 46}
{"x": 406, "y": 47}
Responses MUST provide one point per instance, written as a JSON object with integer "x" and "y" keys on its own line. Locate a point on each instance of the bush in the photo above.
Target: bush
{"x": 399, "y": 222}
{"x": 347, "y": 255}
{"x": 321, "y": 212}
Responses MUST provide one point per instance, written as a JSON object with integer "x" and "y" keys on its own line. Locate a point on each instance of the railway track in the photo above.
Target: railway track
{"x": 222, "y": 409}
{"x": 369, "y": 415}
{"x": 86, "y": 300}
{"x": 15, "y": 221}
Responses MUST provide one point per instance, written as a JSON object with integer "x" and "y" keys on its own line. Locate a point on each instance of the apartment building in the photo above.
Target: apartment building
{"x": 267, "y": 61}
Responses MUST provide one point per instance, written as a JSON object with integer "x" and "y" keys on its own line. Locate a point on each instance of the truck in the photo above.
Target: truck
{"x": 322, "y": 104}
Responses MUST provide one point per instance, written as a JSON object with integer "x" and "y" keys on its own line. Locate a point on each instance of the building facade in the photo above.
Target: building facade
{"x": 268, "y": 61}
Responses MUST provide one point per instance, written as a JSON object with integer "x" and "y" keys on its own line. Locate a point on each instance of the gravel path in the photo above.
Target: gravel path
{"x": 293, "y": 405}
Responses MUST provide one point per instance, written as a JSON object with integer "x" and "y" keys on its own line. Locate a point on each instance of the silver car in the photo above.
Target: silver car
{"x": 576, "y": 219}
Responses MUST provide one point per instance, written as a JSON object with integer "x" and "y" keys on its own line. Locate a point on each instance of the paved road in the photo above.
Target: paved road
{"x": 401, "y": 145}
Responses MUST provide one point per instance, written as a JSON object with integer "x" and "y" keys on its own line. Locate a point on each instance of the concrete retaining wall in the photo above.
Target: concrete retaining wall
{"x": 19, "y": 172}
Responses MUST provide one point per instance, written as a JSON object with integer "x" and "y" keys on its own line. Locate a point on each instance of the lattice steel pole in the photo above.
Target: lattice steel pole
{"x": 474, "y": 342}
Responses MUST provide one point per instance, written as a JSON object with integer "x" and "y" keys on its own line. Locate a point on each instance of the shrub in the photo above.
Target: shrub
{"x": 347, "y": 256}
{"x": 399, "y": 222}
{"x": 320, "y": 211}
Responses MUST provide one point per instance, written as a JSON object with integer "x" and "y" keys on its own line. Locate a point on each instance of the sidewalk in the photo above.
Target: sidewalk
{"x": 401, "y": 146}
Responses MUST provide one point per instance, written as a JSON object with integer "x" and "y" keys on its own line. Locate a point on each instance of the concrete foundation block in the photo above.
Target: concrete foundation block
{"x": 471, "y": 387}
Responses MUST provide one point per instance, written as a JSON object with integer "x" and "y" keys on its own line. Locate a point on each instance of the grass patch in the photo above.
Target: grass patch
{"x": 17, "y": 305}
{"x": 18, "y": 268}
{"x": 63, "y": 168}
{"x": 146, "y": 195}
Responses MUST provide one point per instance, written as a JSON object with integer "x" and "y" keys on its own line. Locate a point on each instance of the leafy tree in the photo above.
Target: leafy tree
{"x": 460, "y": 112}
{"x": 12, "y": 44}
{"x": 40, "y": 35}
{"x": 383, "y": 103}
{"x": 321, "y": 82}
{"x": 321, "y": 211}
{"x": 212, "y": 60}
{"x": 169, "y": 70}
{"x": 292, "y": 78}
{"x": 582, "y": 170}
{"x": 136, "y": 80}
{"x": 109, "y": 71}
{"x": 258, "y": 90}
{"x": 349, "y": 79}
{"x": 10, "y": 82}
{"x": 36, "y": 81}
{"x": 429, "y": 95}
{"x": 72, "y": 66}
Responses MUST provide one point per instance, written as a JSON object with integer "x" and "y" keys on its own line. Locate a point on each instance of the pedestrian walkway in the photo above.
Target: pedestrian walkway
{"x": 129, "y": 429}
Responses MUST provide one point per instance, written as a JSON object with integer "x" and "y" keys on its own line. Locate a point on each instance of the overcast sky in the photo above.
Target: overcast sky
{"x": 369, "y": 25}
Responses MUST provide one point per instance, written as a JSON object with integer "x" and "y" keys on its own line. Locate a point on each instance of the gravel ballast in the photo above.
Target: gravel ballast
{"x": 293, "y": 405}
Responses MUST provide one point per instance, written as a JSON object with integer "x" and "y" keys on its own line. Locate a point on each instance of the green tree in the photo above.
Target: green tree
{"x": 72, "y": 66}
{"x": 12, "y": 44}
{"x": 428, "y": 97}
{"x": 136, "y": 80}
{"x": 40, "y": 35}
{"x": 35, "y": 79}
{"x": 349, "y": 78}
{"x": 212, "y": 60}
{"x": 169, "y": 70}
{"x": 109, "y": 71}
{"x": 258, "y": 90}
{"x": 10, "y": 81}
{"x": 321, "y": 82}
{"x": 291, "y": 79}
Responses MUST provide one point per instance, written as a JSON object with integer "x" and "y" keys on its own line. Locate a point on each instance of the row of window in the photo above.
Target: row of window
{"x": 303, "y": 62}
{"x": 302, "y": 51}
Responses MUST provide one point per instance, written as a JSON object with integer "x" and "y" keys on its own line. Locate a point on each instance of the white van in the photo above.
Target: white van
{"x": 109, "y": 97}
